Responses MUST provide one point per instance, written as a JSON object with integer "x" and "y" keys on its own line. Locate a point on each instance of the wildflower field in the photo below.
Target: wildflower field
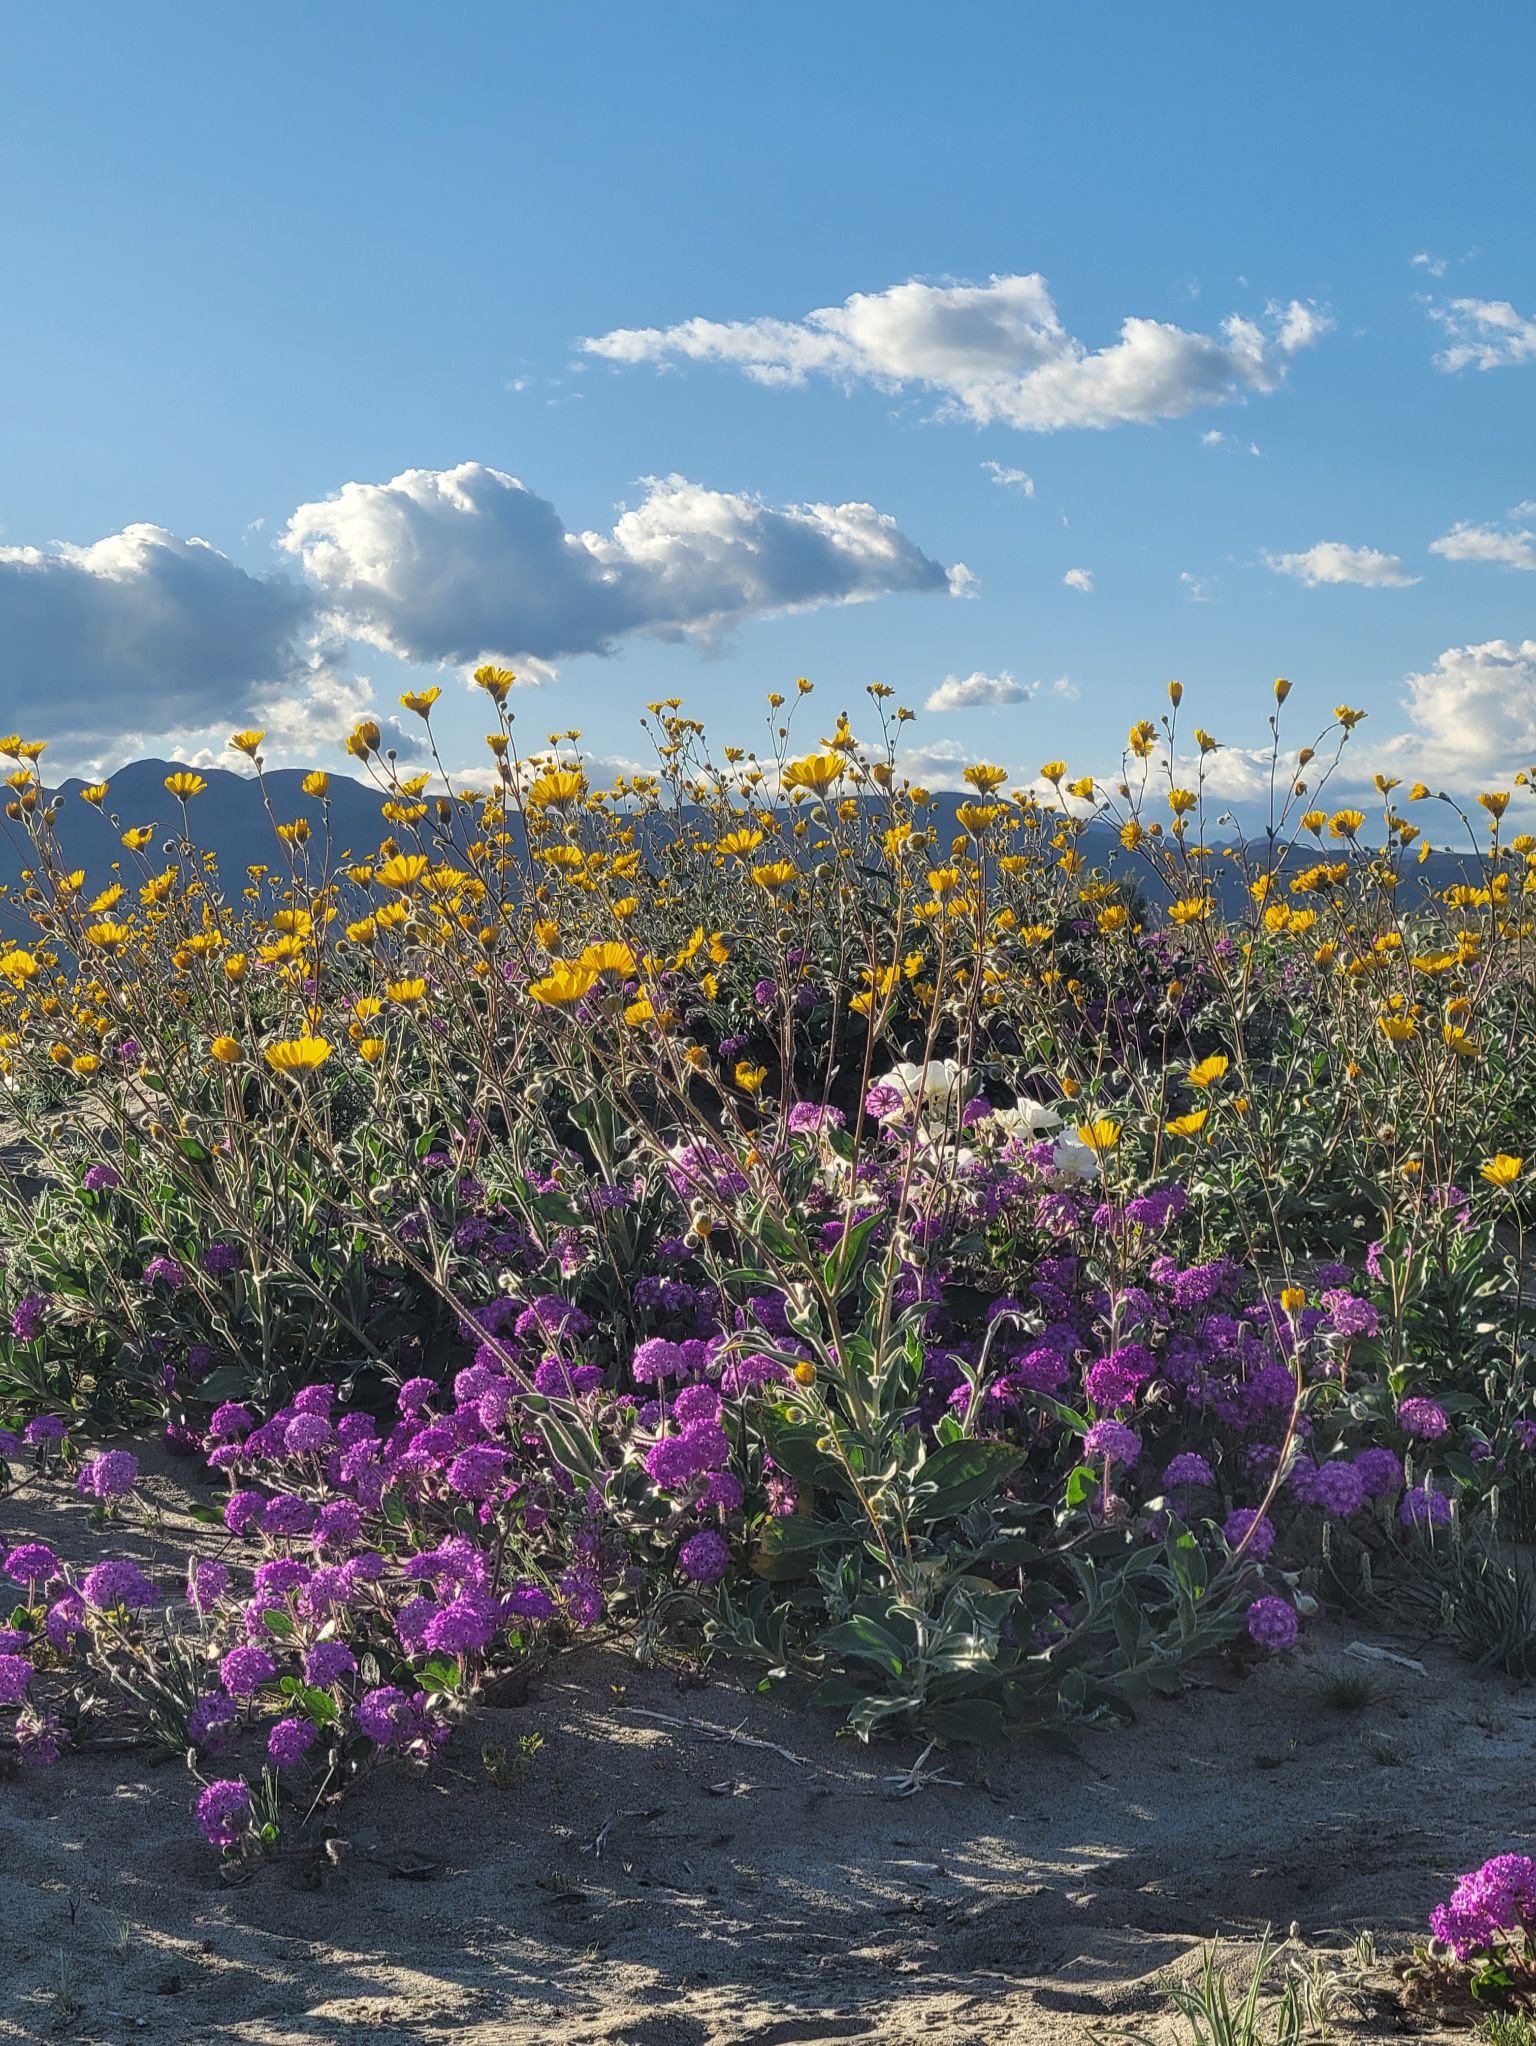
{"x": 966, "y": 1269}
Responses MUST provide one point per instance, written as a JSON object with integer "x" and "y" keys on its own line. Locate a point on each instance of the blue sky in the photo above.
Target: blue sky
{"x": 261, "y": 263}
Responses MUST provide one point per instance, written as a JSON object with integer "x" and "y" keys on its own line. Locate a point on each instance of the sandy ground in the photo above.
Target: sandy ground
{"x": 705, "y": 1867}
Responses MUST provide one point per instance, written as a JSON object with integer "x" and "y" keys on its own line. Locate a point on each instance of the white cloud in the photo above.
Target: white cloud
{"x": 1484, "y": 333}
{"x": 1466, "y": 542}
{"x": 1435, "y": 265}
{"x": 973, "y": 691}
{"x": 1195, "y": 587}
{"x": 993, "y": 352}
{"x": 1330, "y": 561}
{"x": 1474, "y": 718}
{"x": 1079, "y": 579}
{"x": 1212, "y": 437}
{"x": 143, "y": 631}
{"x": 454, "y": 565}
{"x": 940, "y": 765}
{"x": 1065, "y": 687}
{"x": 1011, "y": 479}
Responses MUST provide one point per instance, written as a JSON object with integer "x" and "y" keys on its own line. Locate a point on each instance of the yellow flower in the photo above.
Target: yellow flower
{"x": 985, "y": 779}
{"x": 421, "y": 700}
{"x": 818, "y": 771}
{"x": 1208, "y": 1071}
{"x": 235, "y": 966}
{"x": 1397, "y": 1029}
{"x": 138, "y": 837}
{"x": 364, "y": 740}
{"x": 405, "y": 992}
{"x": 370, "y": 1049}
{"x": 96, "y": 794}
{"x": 1495, "y": 802}
{"x": 1347, "y": 718}
{"x": 1501, "y": 1169}
{"x": 495, "y": 682}
{"x": 565, "y": 982}
{"x": 1187, "y": 1125}
{"x": 1100, "y": 1134}
{"x": 248, "y": 743}
{"x": 316, "y": 784}
{"x": 402, "y": 870}
{"x": 804, "y": 1373}
{"x": 1345, "y": 823}
{"x": 226, "y": 1050}
{"x": 108, "y": 937}
{"x": 1293, "y": 1298}
{"x": 19, "y": 966}
{"x": 775, "y": 876}
{"x": 297, "y": 1055}
{"x": 85, "y": 1062}
{"x": 184, "y": 786}
{"x": 750, "y": 1078}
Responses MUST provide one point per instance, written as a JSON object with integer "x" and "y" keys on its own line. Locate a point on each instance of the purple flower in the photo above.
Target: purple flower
{"x": 1498, "y": 1897}
{"x": 220, "y": 1259}
{"x": 530, "y": 1602}
{"x": 290, "y": 1741}
{"x": 114, "y": 1586}
{"x": 1424, "y": 1507}
{"x": 1113, "y": 1441}
{"x": 164, "y": 1270}
{"x": 110, "y": 1475}
{"x": 1260, "y": 1541}
{"x": 1426, "y": 1419}
{"x": 44, "y": 1428}
{"x": 242, "y": 1511}
{"x": 15, "y": 1675}
{"x": 245, "y": 1670}
{"x": 1351, "y": 1317}
{"x": 1189, "y": 1468}
{"x": 31, "y": 1563}
{"x": 27, "y": 1317}
{"x": 328, "y": 1662}
{"x": 1381, "y": 1472}
{"x": 224, "y": 1812}
{"x": 207, "y": 1583}
{"x": 466, "y": 1626}
{"x": 229, "y": 1420}
{"x": 704, "y": 1558}
{"x": 208, "y": 1717}
{"x": 287, "y": 1514}
{"x": 281, "y": 1576}
{"x": 654, "y": 1360}
{"x": 307, "y": 1435}
{"x": 101, "y": 1178}
{"x": 1272, "y": 1624}
{"x": 1337, "y": 1489}
{"x": 477, "y": 1473}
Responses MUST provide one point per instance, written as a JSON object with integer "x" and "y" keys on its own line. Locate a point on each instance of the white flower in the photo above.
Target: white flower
{"x": 1026, "y": 1118}
{"x": 1072, "y": 1159}
{"x": 931, "y": 1090}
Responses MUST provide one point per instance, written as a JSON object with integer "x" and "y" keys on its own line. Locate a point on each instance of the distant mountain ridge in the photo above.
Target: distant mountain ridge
{"x": 231, "y": 820}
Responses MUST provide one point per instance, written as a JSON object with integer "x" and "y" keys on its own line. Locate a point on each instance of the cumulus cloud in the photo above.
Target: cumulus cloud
{"x": 976, "y": 691}
{"x": 143, "y": 631}
{"x": 1330, "y": 561}
{"x": 1011, "y": 479}
{"x": 994, "y": 352}
{"x": 1079, "y": 579}
{"x": 1466, "y": 542}
{"x": 1483, "y": 333}
{"x": 459, "y": 565}
{"x": 1473, "y": 716}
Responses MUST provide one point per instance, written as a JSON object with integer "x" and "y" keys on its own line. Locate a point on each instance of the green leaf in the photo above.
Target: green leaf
{"x": 865, "y": 1641}
{"x": 961, "y": 1474}
{"x": 1081, "y": 1484}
